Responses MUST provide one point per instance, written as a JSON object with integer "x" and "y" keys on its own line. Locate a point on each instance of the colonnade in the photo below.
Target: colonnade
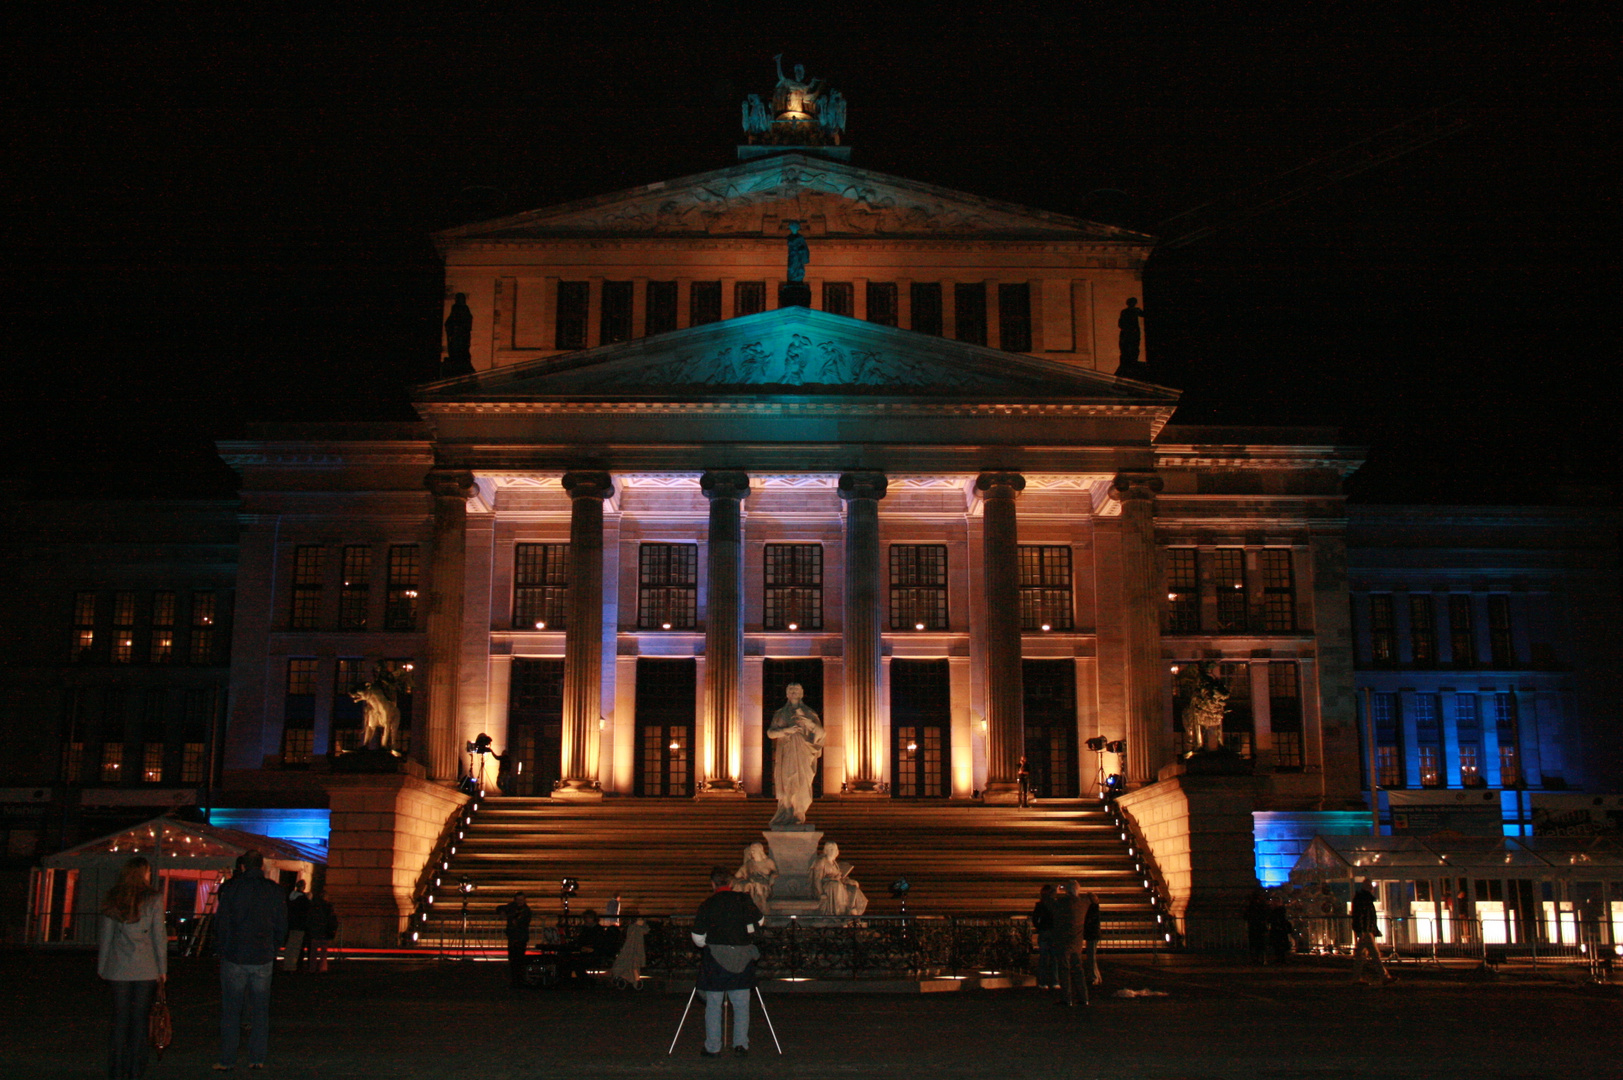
{"x": 864, "y": 619}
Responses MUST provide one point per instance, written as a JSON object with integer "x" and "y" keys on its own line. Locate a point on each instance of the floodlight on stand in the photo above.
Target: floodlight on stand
{"x": 1097, "y": 744}
{"x": 465, "y": 885}
{"x": 569, "y": 886}
{"x": 900, "y": 888}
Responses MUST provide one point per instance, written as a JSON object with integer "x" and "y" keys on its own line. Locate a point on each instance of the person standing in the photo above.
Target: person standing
{"x": 516, "y": 913}
{"x": 1042, "y": 921}
{"x": 298, "y": 924}
{"x": 251, "y": 922}
{"x": 1069, "y": 919}
{"x": 1092, "y": 931}
{"x": 322, "y": 928}
{"x": 1366, "y": 928}
{"x": 1128, "y": 323}
{"x": 723, "y": 929}
{"x": 133, "y": 957}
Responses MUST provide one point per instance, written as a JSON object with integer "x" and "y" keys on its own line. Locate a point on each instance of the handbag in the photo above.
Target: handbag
{"x": 160, "y": 1025}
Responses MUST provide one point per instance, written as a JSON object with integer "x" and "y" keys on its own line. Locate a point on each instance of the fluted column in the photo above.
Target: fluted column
{"x": 1005, "y": 684}
{"x": 863, "y": 627}
{"x": 583, "y": 635}
{"x": 723, "y": 631}
{"x": 438, "y": 750}
{"x": 1147, "y": 737}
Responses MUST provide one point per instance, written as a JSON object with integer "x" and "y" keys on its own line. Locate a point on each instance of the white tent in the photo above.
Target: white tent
{"x": 189, "y": 858}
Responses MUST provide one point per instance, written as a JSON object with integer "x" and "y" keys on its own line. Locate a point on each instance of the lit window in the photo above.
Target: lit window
{"x": 1423, "y": 630}
{"x": 401, "y": 600}
{"x": 203, "y": 618}
{"x": 540, "y": 586}
{"x": 355, "y": 593}
{"x": 667, "y": 586}
{"x": 794, "y": 587}
{"x": 1183, "y": 591}
{"x": 309, "y": 574}
{"x": 112, "y": 761}
{"x": 918, "y": 586}
{"x": 123, "y": 627}
{"x": 1045, "y": 587}
{"x": 152, "y": 763}
{"x": 1382, "y": 637}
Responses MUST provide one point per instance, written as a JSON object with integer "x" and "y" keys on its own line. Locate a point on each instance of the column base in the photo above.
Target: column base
{"x": 727, "y": 788}
{"x": 578, "y": 791}
{"x": 1001, "y": 793}
{"x": 865, "y": 789}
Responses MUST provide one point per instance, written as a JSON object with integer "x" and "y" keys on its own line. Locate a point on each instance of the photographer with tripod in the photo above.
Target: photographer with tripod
{"x": 722, "y": 930}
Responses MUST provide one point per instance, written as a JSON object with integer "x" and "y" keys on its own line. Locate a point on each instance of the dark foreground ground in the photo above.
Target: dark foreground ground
{"x": 454, "y": 1020}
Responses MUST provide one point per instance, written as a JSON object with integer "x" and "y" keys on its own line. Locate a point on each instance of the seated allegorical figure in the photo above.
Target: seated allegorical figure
{"x": 756, "y": 875}
{"x": 838, "y": 892}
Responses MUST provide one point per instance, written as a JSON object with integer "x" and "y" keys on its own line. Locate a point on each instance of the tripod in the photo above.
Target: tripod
{"x": 724, "y": 1025}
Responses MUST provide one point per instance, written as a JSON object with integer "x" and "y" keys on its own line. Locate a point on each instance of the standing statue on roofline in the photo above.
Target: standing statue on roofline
{"x": 802, "y": 112}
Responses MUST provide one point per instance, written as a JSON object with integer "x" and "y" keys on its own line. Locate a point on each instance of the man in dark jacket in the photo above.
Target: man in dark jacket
{"x": 723, "y": 929}
{"x": 250, "y": 922}
{"x": 1366, "y": 928}
{"x": 516, "y": 913}
{"x": 1070, "y": 917}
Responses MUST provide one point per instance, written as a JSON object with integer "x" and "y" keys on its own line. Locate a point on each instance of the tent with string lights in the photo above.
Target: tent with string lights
{"x": 189, "y": 858}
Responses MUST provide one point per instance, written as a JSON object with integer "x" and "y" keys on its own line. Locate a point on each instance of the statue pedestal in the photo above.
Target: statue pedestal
{"x": 794, "y": 852}
{"x": 794, "y": 294}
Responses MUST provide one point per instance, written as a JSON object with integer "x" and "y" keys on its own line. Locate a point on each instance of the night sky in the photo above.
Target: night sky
{"x": 214, "y": 221}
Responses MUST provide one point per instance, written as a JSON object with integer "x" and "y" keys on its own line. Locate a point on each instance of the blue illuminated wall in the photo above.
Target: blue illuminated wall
{"x": 1280, "y": 836}
{"x": 303, "y": 826}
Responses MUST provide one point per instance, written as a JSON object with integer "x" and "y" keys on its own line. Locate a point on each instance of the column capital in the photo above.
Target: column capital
{"x": 725, "y": 484}
{"x": 588, "y": 485}
{"x": 1135, "y": 486}
{"x": 863, "y": 485}
{"x": 999, "y": 483}
{"x": 449, "y": 483}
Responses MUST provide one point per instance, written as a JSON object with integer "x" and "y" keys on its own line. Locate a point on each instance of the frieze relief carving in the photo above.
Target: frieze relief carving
{"x": 802, "y": 362}
{"x": 755, "y": 205}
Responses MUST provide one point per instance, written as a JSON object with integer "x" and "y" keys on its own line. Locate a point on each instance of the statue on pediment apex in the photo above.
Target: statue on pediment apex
{"x": 802, "y": 112}
{"x": 795, "y": 99}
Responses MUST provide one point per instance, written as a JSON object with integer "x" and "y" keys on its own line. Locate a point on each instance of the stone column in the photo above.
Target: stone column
{"x": 863, "y": 627}
{"x": 1005, "y": 683}
{"x": 583, "y": 635}
{"x": 723, "y": 632}
{"x": 438, "y": 750}
{"x": 1147, "y": 737}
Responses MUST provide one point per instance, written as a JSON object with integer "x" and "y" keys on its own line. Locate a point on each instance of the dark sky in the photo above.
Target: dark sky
{"x": 210, "y": 221}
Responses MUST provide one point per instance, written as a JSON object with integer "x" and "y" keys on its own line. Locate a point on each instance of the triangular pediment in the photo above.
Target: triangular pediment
{"x": 831, "y": 198}
{"x": 796, "y": 352}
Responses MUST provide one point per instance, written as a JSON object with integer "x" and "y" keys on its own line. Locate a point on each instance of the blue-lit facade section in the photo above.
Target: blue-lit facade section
{"x": 1280, "y": 837}
{"x": 304, "y": 826}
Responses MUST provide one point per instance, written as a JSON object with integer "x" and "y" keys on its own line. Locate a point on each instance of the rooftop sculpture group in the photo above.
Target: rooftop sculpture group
{"x": 802, "y": 112}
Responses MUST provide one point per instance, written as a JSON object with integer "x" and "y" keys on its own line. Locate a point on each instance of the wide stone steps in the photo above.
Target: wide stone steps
{"x": 960, "y": 859}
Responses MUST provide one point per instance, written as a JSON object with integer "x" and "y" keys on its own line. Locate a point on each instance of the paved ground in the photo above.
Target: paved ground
{"x": 444, "y": 1020}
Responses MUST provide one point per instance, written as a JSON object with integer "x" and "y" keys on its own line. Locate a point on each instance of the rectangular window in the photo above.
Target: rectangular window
{"x": 355, "y": 599}
{"x": 299, "y": 712}
{"x": 1383, "y": 642}
{"x": 1014, "y": 316}
{"x": 152, "y": 763}
{"x": 1504, "y": 722}
{"x": 574, "y": 301}
{"x": 112, "y": 762}
{"x": 838, "y": 298}
{"x": 749, "y": 298}
{"x": 1423, "y": 630}
{"x": 1468, "y": 730}
{"x": 161, "y": 646}
{"x": 614, "y": 321}
{"x": 704, "y": 303}
{"x": 1500, "y": 645}
{"x": 202, "y": 631}
{"x": 163, "y": 609}
{"x": 1285, "y": 712}
{"x": 667, "y": 586}
{"x": 191, "y": 763}
{"x": 1388, "y": 745}
{"x": 661, "y": 307}
{"x": 794, "y": 587}
{"x": 540, "y": 586}
{"x": 1278, "y": 590}
{"x": 882, "y": 302}
{"x": 1428, "y": 734}
{"x": 926, "y": 300}
{"x": 309, "y": 574}
{"x": 1228, "y": 579}
{"x": 1183, "y": 591}
{"x": 400, "y": 603}
{"x": 1045, "y": 587}
{"x": 84, "y": 625}
{"x": 969, "y": 307}
{"x": 918, "y": 586}
{"x": 123, "y": 627}
{"x": 1461, "y": 637}
{"x": 348, "y": 715}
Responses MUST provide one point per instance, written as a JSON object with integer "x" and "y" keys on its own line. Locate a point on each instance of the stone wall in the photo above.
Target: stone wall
{"x": 383, "y": 830}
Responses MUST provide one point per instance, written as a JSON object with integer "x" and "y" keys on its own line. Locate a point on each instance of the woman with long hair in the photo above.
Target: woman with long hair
{"x": 134, "y": 959}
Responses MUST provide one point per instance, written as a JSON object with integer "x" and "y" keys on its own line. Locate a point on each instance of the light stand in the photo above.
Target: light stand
{"x": 466, "y": 887}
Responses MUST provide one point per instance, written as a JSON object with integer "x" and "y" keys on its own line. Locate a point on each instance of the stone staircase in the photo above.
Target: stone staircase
{"x": 960, "y": 858}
